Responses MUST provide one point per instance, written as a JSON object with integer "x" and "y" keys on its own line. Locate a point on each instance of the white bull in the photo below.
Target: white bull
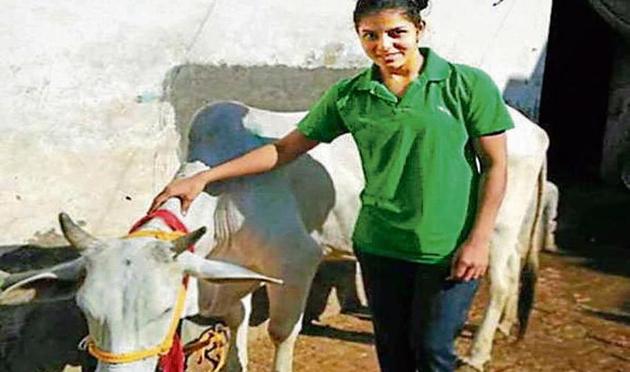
{"x": 127, "y": 288}
{"x": 276, "y": 224}
{"x": 524, "y": 225}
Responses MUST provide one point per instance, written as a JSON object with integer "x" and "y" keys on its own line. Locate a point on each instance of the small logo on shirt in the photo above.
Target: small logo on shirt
{"x": 444, "y": 110}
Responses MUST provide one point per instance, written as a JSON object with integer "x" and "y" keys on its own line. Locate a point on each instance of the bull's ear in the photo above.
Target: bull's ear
{"x": 219, "y": 271}
{"x": 56, "y": 283}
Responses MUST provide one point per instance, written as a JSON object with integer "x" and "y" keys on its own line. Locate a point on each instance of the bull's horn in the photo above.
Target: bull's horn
{"x": 181, "y": 244}
{"x": 79, "y": 239}
{"x": 3, "y": 276}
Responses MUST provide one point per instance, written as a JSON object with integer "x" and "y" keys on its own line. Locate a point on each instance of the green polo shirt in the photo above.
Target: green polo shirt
{"x": 421, "y": 178}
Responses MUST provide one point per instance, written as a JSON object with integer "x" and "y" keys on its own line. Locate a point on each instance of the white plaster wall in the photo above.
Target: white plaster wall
{"x": 507, "y": 40}
{"x": 84, "y": 129}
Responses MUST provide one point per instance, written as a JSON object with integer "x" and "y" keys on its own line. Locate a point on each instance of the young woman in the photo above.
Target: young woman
{"x": 427, "y": 214}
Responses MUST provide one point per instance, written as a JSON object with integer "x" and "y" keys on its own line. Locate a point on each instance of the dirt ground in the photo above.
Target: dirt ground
{"x": 576, "y": 325}
{"x": 581, "y": 317}
{"x": 580, "y": 321}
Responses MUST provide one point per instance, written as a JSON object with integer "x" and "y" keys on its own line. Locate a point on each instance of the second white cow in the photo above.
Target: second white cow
{"x": 277, "y": 224}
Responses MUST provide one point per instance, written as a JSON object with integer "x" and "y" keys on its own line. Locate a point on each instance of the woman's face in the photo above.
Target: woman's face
{"x": 389, "y": 38}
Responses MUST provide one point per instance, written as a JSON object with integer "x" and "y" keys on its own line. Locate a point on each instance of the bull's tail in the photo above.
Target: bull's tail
{"x": 529, "y": 272}
{"x": 529, "y": 277}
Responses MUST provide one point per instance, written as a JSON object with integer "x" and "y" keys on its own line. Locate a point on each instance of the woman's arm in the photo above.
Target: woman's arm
{"x": 471, "y": 259}
{"x": 260, "y": 160}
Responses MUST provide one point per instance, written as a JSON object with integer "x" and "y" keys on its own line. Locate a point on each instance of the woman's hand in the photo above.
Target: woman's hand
{"x": 186, "y": 189}
{"x": 470, "y": 261}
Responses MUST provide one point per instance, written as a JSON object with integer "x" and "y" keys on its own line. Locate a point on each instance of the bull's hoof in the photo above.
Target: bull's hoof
{"x": 505, "y": 329}
{"x": 552, "y": 248}
{"x": 470, "y": 365}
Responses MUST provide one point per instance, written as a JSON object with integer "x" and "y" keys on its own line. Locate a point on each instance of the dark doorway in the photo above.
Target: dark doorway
{"x": 574, "y": 100}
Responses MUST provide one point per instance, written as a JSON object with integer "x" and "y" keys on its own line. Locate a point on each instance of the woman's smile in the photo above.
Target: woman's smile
{"x": 391, "y": 57}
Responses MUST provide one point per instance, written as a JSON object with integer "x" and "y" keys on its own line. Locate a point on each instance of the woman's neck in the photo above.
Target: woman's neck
{"x": 397, "y": 80}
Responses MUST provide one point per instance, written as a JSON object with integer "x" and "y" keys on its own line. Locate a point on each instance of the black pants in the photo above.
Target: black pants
{"x": 417, "y": 313}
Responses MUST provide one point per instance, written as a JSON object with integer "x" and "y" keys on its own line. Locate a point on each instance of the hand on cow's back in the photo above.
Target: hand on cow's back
{"x": 186, "y": 189}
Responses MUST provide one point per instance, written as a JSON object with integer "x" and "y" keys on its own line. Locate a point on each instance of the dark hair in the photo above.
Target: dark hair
{"x": 411, "y": 8}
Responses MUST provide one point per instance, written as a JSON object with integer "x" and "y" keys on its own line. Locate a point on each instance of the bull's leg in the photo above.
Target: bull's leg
{"x": 232, "y": 303}
{"x": 511, "y": 306}
{"x": 360, "y": 287}
{"x": 283, "y": 357}
{"x": 238, "y": 321}
{"x": 550, "y": 213}
{"x": 354, "y": 298}
{"x": 286, "y": 308}
{"x": 501, "y": 281}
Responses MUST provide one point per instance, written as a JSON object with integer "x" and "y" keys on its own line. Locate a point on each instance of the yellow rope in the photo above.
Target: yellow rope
{"x": 160, "y": 235}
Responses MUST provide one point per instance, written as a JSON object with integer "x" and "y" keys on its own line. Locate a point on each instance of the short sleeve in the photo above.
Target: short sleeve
{"x": 486, "y": 112}
{"x": 323, "y": 122}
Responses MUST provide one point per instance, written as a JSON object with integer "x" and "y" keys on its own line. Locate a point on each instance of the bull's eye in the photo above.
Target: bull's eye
{"x": 167, "y": 311}
{"x": 161, "y": 315}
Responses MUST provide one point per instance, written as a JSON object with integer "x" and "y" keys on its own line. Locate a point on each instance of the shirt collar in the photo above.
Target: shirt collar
{"x": 435, "y": 68}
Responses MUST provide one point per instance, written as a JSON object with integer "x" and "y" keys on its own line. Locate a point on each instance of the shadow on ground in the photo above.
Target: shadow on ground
{"x": 339, "y": 334}
{"x": 594, "y": 232}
